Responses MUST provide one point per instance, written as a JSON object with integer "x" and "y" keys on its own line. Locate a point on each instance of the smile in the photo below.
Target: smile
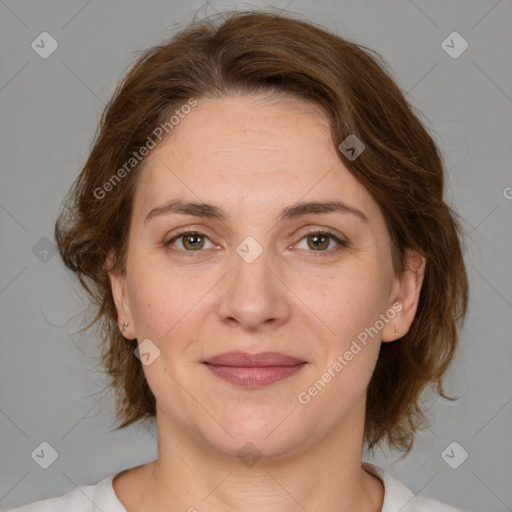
{"x": 254, "y": 370}
{"x": 254, "y": 376}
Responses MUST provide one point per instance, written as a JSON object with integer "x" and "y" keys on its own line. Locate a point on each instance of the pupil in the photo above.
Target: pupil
{"x": 316, "y": 238}
{"x": 193, "y": 240}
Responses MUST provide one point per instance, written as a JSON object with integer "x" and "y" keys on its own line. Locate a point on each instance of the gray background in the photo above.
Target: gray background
{"x": 51, "y": 385}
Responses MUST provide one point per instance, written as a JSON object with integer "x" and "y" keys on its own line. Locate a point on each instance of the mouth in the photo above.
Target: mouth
{"x": 253, "y": 370}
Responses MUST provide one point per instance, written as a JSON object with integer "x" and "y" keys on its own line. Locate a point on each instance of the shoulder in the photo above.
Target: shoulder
{"x": 86, "y": 498}
{"x": 397, "y": 496}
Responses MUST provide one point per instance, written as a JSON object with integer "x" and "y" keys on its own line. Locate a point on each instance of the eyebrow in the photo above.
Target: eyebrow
{"x": 199, "y": 209}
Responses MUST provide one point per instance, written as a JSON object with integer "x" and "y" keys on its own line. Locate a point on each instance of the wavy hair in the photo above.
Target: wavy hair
{"x": 260, "y": 52}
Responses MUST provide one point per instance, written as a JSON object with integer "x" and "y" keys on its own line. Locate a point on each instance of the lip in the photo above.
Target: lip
{"x": 261, "y": 359}
{"x": 253, "y": 370}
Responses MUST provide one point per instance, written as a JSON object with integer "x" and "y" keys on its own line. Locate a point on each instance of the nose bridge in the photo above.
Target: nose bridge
{"x": 252, "y": 263}
{"x": 254, "y": 294}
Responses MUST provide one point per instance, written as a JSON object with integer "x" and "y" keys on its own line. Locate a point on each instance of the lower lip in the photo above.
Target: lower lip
{"x": 256, "y": 376}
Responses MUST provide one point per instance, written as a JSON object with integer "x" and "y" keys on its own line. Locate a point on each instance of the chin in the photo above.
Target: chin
{"x": 250, "y": 447}
{"x": 267, "y": 433}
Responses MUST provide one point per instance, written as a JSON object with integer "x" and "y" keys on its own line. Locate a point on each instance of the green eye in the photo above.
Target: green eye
{"x": 319, "y": 241}
{"x": 192, "y": 241}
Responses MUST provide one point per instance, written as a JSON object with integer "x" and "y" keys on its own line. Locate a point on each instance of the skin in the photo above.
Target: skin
{"x": 254, "y": 156}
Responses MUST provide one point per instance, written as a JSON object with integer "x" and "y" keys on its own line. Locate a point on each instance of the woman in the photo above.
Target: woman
{"x": 261, "y": 226}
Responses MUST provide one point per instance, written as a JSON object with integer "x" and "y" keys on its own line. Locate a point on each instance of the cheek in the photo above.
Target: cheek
{"x": 349, "y": 307}
{"x": 347, "y": 301}
{"x": 164, "y": 301}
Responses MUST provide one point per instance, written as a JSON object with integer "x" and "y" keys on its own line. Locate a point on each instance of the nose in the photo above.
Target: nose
{"x": 254, "y": 296}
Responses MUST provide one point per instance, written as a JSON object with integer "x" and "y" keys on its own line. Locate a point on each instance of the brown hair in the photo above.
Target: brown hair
{"x": 254, "y": 52}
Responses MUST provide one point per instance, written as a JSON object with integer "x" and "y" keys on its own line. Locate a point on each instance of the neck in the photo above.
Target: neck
{"x": 190, "y": 475}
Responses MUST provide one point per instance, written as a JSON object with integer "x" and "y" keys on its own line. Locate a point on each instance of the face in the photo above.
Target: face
{"x": 256, "y": 272}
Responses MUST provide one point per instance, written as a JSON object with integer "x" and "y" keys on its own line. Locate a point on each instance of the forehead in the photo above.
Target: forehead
{"x": 239, "y": 127}
{"x": 259, "y": 150}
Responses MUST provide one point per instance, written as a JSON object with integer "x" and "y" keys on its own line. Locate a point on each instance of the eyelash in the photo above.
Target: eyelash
{"x": 327, "y": 252}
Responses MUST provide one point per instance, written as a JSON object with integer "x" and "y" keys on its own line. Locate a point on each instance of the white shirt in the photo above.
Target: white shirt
{"x": 101, "y": 497}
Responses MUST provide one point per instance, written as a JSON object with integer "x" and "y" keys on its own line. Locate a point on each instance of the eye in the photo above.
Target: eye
{"x": 192, "y": 241}
{"x": 319, "y": 241}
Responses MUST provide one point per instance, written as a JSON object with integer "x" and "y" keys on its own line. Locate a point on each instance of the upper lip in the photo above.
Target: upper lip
{"x": 246, "y": 359}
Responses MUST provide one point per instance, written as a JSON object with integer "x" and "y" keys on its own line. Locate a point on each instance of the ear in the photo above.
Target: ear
{"x": 120, "y": 295}
{"x": 406, "y": 293}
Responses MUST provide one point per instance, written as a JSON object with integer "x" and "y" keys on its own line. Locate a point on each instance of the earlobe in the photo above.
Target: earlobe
{"x": 406, "y": 292}
{"x": 117, "y": 284}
